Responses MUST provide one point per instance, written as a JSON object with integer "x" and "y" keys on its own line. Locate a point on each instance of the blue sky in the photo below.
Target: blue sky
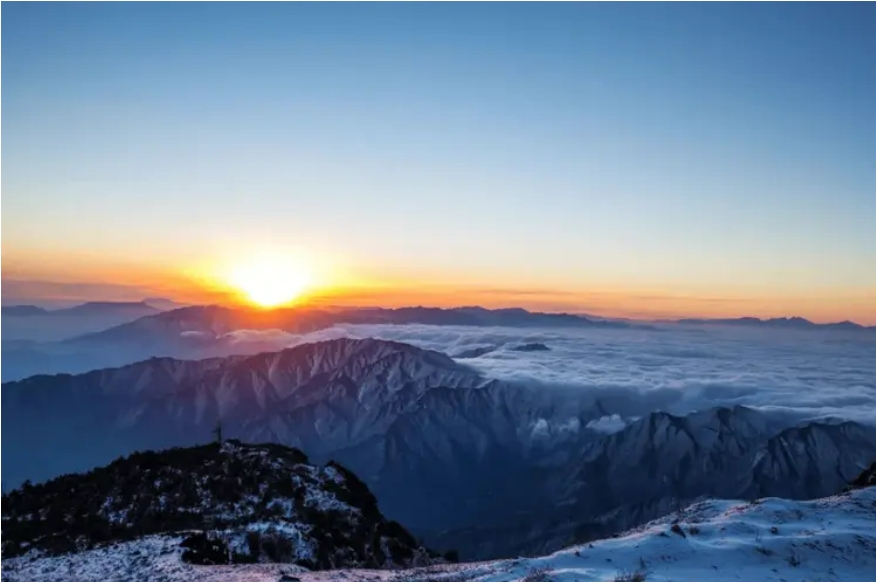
{"x": 686, "y": 148}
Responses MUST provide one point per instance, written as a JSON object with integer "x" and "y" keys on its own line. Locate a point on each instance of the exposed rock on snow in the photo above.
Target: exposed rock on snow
{"x": 831, "y": 539}
{"x": 245, "y": 503}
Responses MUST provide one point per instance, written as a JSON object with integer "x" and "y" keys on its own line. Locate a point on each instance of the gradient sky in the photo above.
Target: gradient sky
{"x": 720, "y": 159}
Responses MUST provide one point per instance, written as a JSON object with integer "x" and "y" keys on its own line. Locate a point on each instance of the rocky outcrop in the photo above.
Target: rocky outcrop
{"x": 231, "y": 503}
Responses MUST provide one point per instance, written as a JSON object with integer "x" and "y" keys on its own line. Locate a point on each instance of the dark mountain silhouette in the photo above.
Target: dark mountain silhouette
{"x": 231, "y": 503}
{"x": 866, "y": 479}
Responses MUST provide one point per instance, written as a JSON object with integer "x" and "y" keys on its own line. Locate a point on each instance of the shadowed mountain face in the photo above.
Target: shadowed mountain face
{"x": 318, "y": 396}
{"x": 866, "y": 479}
{"x": 486, "y": 467}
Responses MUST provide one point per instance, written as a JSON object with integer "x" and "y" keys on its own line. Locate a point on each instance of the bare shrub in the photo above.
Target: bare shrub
{"x": 640, "y": 574}
{"x": 537, "y": 575}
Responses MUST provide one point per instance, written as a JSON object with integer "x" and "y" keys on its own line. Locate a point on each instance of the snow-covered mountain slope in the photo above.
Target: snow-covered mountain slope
{"x": 722, "y": 452}
{"x": 250, "y": 503}
{"x": 662, "y": 462}
{"x": 830, "y": 539}
{"x": 318, "y": 397}
{"x": 488, "y": 468}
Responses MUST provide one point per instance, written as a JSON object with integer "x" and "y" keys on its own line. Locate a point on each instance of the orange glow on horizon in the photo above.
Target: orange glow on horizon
{"x": 288, "y": 276}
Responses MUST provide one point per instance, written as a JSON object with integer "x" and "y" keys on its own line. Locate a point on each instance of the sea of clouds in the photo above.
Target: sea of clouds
{"x": 629, "y": 372}
{"x": 799, "y": 374}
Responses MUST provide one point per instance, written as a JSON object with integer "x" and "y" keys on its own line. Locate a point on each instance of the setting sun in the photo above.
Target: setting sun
{"x": 270, "y": 282}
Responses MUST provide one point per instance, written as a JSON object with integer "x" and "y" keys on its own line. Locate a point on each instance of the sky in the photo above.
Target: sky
{"x": 637, "y": 160}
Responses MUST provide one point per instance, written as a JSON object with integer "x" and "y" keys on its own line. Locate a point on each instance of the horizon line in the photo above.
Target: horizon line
{"x": 312, "y": 305}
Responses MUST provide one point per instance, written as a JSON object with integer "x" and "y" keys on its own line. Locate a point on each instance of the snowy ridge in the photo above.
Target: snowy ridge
{"x": 318, "y": 397}
{"x": 830, "y": 539}
{"x": 232, "y": 503}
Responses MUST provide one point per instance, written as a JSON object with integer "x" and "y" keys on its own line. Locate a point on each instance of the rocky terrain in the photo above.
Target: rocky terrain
{"x": 228, "y": 503}
{"x": 771, "y": 540}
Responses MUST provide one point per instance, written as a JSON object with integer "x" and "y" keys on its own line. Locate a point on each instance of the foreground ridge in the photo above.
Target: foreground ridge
{"x": 223, "y": 503}
{"x": 833, "y": 538}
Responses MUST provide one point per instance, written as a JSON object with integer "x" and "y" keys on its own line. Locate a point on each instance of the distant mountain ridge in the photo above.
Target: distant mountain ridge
{"x": 32, "y": 323}
{"x": 211, "y": 331}
{"x": 141, "y": 308}
{"x": 217, "y": 320}
{"x": 23, "y": 310}
{"x": 778, "y": 322}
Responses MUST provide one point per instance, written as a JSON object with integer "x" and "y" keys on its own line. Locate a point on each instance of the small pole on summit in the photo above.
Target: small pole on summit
{"x": 218, "y": 432}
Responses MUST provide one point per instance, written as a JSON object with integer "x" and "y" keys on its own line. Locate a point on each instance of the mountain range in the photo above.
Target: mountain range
{"x": 486, "y": 467}
{"x": 33, "y": 323}
{"x": 212, "y": 331}
{"x": 779, "y": 323}
{"x": 101, "y": 335}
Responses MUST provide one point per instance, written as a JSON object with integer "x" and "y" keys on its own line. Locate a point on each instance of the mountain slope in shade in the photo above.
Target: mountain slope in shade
{"x": 865, "y": 479}
{"x": 771, "y": 540}
{"x": 319, "y": 397}
{"x": 246, "y": 503}
{"x": 662, "y": 462}
{"x": 485, "y": 467}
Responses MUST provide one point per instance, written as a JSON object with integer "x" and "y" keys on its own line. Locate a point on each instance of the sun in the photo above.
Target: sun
{"x": 270, "y": 281}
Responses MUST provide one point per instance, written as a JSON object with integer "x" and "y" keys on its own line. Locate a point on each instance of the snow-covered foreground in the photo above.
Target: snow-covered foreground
{"x": 773, "y": 539}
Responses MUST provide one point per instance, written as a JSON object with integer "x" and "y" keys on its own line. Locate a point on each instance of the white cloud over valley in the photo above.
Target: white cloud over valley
{"x": 629, "y": 372}
{"x": 811, "y": 374}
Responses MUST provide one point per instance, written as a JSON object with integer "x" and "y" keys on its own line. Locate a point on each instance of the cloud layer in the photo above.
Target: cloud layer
{"x": 810, "y": 374}
{"x": 630, "y": 372}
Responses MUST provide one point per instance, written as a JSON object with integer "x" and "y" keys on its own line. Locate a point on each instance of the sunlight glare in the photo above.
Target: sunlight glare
{"x": 270, "y": 281}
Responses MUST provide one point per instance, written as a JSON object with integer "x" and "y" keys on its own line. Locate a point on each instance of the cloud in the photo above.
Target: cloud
{"x": 206, "y": 335}
{"x": 607, "y": 424}
{"x": 274, "y": 337}
{"x": 630, "y": 372}
{"x": 572, "y": 425}
{"x": 542, "y": 428}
